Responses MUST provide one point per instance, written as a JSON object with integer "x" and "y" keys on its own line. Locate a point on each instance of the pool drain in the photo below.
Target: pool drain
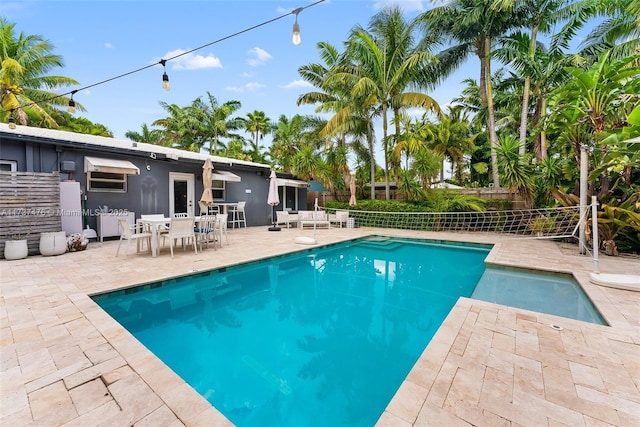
{"x": 556, "y": 327}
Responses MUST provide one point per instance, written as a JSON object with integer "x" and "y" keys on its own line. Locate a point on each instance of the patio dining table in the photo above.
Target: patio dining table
{"x": 156, "y": 224}
{"x": 225, "y": 206}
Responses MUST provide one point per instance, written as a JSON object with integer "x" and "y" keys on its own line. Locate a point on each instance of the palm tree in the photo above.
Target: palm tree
{"x": 386, "y": 63}
{"x": 181, "y": 128}
{"x": 258, "y": 125}
{"x": 331, "y": 97}
{"x": 452, "y": 138}
{"x": 25, "y": 86}
{"x": 620, "y": 31}
{"x": 541, "y": 16}
{"x": 470, "y": 27}
{"x": 287, "y": 135}
{"x": 148, "y": 135}
{"x": 216, "y": 120}
{"x": 352, "y": 114}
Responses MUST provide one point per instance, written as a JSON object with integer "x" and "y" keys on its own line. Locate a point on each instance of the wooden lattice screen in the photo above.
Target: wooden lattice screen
{"x": 29, "y": 205}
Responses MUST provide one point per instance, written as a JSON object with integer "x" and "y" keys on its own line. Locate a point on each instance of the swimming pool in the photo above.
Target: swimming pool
{"x": 320, "y": 337}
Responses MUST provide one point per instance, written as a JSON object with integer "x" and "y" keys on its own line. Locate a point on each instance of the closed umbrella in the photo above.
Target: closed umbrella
{"x": 273, "y": 198}
{"x": 352, "y": 188}
{"x": 207, "y": 177}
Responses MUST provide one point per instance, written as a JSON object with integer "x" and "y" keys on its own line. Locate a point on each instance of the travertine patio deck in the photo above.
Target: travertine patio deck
{"x": 65, "y": 362}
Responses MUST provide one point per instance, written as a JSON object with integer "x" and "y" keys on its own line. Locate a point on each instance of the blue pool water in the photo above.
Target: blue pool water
{"x": 549, "y": 293}
{"x": 323, "y": 337}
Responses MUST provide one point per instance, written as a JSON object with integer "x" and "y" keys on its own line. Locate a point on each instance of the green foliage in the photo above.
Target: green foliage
{"x": 27, "y": 89}
{"x": 437, "y": 200}
{"x": 498, "y": 204}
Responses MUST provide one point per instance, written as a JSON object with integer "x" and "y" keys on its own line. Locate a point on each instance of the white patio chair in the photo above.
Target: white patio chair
{"x": 182, "y": 228}
{"x": 222, "y": 226}
{"x": 238, "y": 215}
{"x": 205, "y": 229}
{"x": 284, "y": 217}
{"x": 130, "y": 233}
{"x": 340, "y": 218}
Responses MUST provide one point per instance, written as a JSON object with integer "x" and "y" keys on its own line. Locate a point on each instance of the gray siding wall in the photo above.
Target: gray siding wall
{"x": 148, "y": 192}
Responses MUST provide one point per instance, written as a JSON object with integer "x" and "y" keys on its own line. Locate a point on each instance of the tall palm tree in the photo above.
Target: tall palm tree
{"x": 216, "y": 120}
{"x": 352, "y": 116}
{"x": 288, "y": 135}
{"x": 619, "y": 32}
{"x": 452, "y": 138}
{"x": 147, "y": 135}
{"x": 25, "y": 85}
{"x": 540, "y": 16}
{"x": 330, "y": 98}
{"x": 468, "y": 27}
{"x": 180, "y": 128}
{"x": 387, "y": 63}
{"x": 258, "y": 125}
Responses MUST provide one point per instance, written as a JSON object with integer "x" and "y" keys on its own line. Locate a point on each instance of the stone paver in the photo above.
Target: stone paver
{"x": 63, "y": 361}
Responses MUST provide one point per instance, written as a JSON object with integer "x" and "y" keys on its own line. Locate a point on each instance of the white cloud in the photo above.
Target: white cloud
{"x": 248, "y": 87}
{"x": 405, "y": 5}
{"x": 108, "y": 45}
{"x": 234, "y": 89}
{"x": 191, "y": 61}
{"x": 297, "y": 84}
{"x": 258, "y": 56}
{"x": 246, "y": 74}
{"x": 253, "y": 86}
{"x": 415, "y": 112}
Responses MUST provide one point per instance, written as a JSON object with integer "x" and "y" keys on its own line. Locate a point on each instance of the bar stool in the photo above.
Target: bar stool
{"x": 238, "y": 216}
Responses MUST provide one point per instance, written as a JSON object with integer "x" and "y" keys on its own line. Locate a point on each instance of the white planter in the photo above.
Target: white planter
{"x": 15, "y": 249}
{"x": 53, "y": 243}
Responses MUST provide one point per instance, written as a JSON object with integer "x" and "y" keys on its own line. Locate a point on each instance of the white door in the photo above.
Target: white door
{"x": 181, "y": 193}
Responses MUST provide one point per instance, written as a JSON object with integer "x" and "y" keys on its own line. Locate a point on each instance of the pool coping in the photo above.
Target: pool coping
{"x": 66, "y": 362}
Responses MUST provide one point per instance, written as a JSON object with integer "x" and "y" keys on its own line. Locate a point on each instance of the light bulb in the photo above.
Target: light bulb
{"x": 165, "y": 82}
{"x": 296, "y": 33}
{"x": 72, "y": 106}
{"x": 12, "y": 122}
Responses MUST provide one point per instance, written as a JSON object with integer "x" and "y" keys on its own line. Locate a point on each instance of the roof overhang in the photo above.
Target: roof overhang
{"x": 225, "y": 176}
{"x": 284, "y": 182}
{"x": 98, "y": 164}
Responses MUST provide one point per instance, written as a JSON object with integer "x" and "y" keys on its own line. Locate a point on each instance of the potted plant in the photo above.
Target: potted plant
{"x": 16, "y": 247}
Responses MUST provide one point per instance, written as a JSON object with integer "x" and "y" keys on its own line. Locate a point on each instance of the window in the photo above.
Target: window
{"x": 8, "y": 166}
{"x": 106, "y": 181}
{"x": 218, "y": 188}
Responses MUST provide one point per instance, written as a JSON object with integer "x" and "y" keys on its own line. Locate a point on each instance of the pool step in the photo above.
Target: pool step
{"x": 381, "y": 243}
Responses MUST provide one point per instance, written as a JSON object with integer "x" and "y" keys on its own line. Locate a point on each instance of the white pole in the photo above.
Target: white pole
{"x": 315, "y": 218}
{"x": 594, "y": 232}
{"x": 584, "y": 171}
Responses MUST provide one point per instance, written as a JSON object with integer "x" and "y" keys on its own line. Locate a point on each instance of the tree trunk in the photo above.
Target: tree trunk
{"x": 491, "y": 121}
{"x": 372, "y": 161}
{"x": 385, "y": 148}
{"x": 525, "y": 95}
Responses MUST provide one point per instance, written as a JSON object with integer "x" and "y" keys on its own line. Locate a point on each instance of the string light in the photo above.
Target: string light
{"x": 296, "y": 28}
{"x": 165, "y": 77}
{"x": 72, "y": 103}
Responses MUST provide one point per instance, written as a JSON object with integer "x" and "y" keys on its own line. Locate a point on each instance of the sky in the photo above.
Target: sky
{"x": 100, "y": 40}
